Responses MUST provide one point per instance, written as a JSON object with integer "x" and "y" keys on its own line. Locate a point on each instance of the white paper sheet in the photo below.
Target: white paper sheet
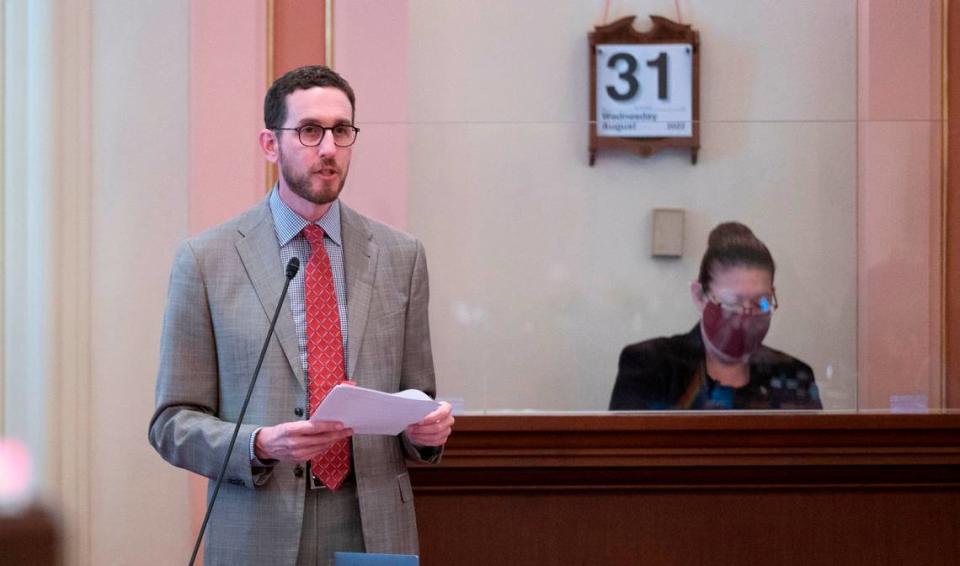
{"x": 368, "y": 411}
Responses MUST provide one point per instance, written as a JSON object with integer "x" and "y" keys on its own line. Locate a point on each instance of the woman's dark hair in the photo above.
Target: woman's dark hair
{"x": 302, "y": 78}
{"x": 732, "y": 244}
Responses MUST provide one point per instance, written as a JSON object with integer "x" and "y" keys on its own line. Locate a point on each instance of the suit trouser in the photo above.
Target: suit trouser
{"x": 331, "y": 523}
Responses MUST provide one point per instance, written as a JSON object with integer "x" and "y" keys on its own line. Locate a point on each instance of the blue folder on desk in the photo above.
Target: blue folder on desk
{"x": 362, "y": 559}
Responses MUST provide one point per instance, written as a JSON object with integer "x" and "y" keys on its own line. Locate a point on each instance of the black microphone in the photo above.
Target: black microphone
{"x": 293, "y": 266}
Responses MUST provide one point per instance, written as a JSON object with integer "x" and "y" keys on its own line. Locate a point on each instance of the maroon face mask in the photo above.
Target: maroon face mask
{"x": 734, "y": 336}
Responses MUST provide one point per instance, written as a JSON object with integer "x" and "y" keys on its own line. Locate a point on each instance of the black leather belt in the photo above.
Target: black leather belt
{"x": 314, "y": 483}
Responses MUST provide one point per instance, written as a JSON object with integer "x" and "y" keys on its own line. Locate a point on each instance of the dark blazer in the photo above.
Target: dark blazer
{"x": 668, "y": 373}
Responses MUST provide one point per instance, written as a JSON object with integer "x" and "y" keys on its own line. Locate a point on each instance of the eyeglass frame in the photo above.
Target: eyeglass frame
{"x": 739, "y": 309}
{"x": 323, "y": 133}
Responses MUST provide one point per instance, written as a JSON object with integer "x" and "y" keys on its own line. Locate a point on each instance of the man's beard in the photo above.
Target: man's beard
{"x": 300, "y": 185}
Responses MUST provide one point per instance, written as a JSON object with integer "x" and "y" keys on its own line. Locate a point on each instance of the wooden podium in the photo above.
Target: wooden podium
{"x": 29, "y": 537}
{"x": 694, "y": 489}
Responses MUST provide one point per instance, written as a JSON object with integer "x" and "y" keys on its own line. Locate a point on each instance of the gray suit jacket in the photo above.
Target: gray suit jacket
{"x": 224, "y": 288}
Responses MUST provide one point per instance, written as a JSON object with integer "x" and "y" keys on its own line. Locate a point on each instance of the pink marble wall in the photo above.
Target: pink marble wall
{"x": 370, "y": 50}
{"x": 300, "y": 34}
{"x": 228, "y": 57}
{"x": 228, "y": 54}
{"x": 227, "y": 84}
{"x": 899, "y": 201}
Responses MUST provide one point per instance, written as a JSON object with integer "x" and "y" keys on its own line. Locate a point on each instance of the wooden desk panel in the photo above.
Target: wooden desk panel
{"x": 694, "y": 489}
{"x": 29, "y": 537}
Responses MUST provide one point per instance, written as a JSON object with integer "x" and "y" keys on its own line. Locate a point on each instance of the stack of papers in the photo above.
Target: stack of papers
{"x": 368, "y": 411}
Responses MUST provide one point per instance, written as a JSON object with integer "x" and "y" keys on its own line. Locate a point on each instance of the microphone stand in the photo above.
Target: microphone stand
{"x": 293, "y": 266}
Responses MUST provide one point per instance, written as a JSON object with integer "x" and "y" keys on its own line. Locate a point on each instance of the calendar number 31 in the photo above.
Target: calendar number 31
{"x": 629, "y": 76}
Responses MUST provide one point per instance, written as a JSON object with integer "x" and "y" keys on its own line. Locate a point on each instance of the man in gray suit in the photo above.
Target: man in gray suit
{"x": 223, "y": 290}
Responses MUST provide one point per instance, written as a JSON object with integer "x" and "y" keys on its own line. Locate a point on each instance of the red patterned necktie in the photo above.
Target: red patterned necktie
{"x": 324, "y": 351}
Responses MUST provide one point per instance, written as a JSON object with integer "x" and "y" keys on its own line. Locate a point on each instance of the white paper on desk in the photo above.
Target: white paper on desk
{"x": 368, "y": 411}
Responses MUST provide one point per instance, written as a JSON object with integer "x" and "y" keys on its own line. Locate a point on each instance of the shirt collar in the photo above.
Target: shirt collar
{"x": 288, "y": 223}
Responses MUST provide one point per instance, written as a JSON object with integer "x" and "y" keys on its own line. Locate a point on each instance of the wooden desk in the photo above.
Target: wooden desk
{"x": 694, "y": 489}
{"x": 29, "y": 537}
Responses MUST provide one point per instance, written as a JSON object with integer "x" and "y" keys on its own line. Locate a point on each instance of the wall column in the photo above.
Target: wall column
{"x": 47, "y": 199}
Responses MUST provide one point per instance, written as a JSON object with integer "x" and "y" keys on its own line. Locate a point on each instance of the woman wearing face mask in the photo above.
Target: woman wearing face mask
{"x": 721, "y": 363}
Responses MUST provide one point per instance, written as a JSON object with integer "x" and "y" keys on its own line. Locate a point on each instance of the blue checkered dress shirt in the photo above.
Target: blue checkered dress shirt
{"x": 289, "y": 226}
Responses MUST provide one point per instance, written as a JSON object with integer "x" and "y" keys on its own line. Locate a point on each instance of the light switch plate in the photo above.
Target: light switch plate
{"x": 667, "y": 232}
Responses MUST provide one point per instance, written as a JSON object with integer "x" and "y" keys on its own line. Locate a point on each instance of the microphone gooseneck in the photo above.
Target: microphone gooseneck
{"x": 293, "y": 266}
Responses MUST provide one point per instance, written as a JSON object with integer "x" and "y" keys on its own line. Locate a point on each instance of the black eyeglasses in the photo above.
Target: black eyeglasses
{"x": 311, "y": 135}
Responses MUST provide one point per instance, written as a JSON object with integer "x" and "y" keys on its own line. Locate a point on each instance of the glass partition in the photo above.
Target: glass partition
{"x": 820, "y": 131}
{"x": 541, "y": 267}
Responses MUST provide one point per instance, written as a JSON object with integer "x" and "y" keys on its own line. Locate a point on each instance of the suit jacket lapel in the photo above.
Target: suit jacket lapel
{"x": 360, "y": 266}
{"x": 260, "y": 253}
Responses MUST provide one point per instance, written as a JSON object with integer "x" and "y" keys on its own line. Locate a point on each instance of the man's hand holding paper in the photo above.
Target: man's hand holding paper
{"x": 433, "y": 429}
{"x": 367, "y": 411}
{"x": 298, "y": 441}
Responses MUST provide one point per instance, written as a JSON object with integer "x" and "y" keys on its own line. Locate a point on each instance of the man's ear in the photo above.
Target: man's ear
{"x": 698, "y": 295}
{"x": 269, "y": 145}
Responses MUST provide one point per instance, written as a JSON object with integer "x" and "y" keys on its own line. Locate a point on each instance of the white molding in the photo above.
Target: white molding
{"x": 75, "y": 196}
{"x": 28, "y": 185}
{"x": 3, "y": 103}
{"x": 47, "y": 202}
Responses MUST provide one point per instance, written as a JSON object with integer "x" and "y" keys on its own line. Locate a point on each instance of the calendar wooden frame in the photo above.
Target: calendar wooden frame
{"x": 623, "y": 32}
